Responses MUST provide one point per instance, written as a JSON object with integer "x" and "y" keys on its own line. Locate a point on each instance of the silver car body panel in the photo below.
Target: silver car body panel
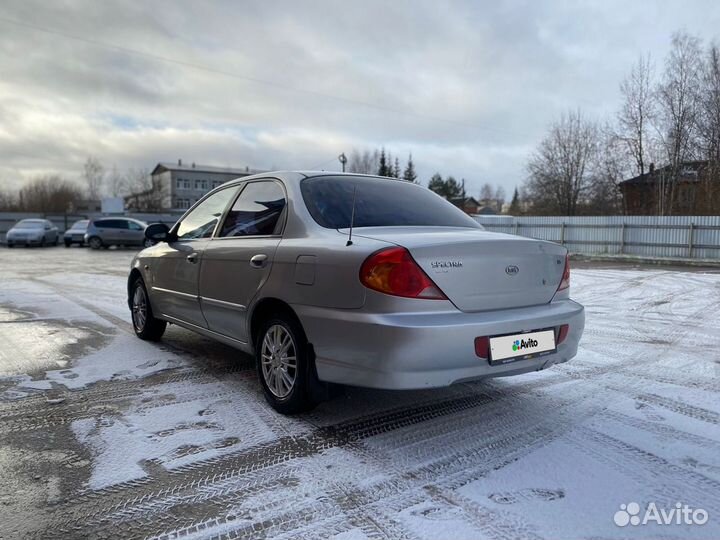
{"x": 360, "y": 336}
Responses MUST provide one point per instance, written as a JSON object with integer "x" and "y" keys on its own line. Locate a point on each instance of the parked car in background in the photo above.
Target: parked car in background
{"x": 357, "y": 280}
{"x": 116, "y": 231}
{"x": 32, "y": 232}
{"x": 76, "y": 233}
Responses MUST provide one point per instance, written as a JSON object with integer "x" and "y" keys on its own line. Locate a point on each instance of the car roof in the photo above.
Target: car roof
{"x": 103, "y": 218}
{"x": 297, "y": 176}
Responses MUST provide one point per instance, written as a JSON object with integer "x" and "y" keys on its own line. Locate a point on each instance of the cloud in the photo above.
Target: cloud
{"x": 467, "y": 87}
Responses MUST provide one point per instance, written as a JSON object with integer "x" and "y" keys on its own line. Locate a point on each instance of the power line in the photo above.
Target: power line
{"x": 254, "y": 80}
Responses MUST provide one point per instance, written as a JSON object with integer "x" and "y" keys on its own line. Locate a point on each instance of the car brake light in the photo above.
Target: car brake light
{"x": 394, "y": 271}
{"x": 565, "y": 282}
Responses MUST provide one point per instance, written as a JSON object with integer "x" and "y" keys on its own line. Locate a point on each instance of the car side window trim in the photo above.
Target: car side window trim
{"x": 281, "y": 220}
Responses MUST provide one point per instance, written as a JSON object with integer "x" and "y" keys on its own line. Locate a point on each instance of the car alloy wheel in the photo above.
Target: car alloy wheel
{"x": 139, "y": 309}
{"x": 95, "y": 243}
{"x": 279, "y": 361}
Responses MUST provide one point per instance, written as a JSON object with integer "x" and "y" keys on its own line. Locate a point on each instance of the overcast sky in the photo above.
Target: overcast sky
{"x": 468, "y": 87}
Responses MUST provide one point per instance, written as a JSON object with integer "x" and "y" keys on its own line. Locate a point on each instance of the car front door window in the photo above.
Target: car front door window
{"x": 201, "y": 221}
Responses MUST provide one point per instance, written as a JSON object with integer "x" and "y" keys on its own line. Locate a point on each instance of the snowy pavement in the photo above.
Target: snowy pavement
{"x": 103, "y": 435}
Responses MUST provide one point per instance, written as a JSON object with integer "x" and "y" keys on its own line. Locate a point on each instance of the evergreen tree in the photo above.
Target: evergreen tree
{"x": 453, "y": 188}
{"x": 384, "y": 169}
{"x": 409, "y": 174}
{"x": 514, "y": 209}
{"x": 437, "y": 184}
{"x": 396, "y": 169}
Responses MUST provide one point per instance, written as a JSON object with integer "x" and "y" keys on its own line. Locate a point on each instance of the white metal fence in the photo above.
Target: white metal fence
{"x": 690, "y": 237}
{"x": 694, "y": 237}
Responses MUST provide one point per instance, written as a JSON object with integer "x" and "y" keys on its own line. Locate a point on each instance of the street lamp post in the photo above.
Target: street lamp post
{"x": 343, "y": 160}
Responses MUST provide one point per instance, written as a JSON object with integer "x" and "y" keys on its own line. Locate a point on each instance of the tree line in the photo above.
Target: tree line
{"x": 667, "y": 118}
{"x": 54, "y": 193}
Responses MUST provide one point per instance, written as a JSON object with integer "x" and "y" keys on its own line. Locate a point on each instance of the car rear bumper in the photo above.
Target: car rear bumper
{"x": 424, "y": 350}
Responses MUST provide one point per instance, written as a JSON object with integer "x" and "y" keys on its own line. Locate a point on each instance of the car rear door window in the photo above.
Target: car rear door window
{"x": 201, "y": 221}
{"x": 256, "y": 212}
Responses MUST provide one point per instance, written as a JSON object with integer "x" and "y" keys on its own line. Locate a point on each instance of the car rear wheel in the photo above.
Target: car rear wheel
{"x": 145, "y": 324}
{"x": 281, "y": 352}
{"x": 68, "y": 244}
{"x": 95, "y": 243}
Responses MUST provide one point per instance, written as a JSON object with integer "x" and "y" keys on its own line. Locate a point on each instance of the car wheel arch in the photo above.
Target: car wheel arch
{"x": 134, "y": 275}
{"x": 265, "y": 308}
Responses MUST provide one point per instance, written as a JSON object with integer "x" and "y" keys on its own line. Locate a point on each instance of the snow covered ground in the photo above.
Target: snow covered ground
{"x": 104, "y": 435}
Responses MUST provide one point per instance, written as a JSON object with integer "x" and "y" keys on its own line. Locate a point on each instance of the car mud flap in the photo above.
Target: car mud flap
{"x": 318, "y": 391}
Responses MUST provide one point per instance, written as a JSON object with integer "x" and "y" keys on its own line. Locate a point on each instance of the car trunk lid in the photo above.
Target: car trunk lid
{"x": 480, "y": 270}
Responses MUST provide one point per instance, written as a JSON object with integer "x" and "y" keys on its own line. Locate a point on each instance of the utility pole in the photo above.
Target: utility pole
{"x": 343, "y": 160}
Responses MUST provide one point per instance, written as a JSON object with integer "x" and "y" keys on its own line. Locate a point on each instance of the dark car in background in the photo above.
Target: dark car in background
{"x": 116, "y": 231}
{"x": 32, "y": 232}
{"x": 76, "y": 233}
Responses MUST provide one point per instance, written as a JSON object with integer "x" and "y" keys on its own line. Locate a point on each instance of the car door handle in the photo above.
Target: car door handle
{"x": 258, "y": 261}
{"x": 192, "y": 258}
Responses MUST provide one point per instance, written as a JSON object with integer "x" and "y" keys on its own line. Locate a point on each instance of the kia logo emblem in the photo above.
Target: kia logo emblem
{"x": 511, "y": 270}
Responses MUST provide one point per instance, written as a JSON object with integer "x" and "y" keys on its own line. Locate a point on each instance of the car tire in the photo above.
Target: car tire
{"x": 95, "y": 242}
{"x": 285, "y": 386}
{"x": 9, "y": 246}
{"x": 146, "y": 326}
{"x": 148, "y": 243}
{"x": 42, "y": 242}
{"x": 68, "y": 244}
{"x": 57, "y": 241}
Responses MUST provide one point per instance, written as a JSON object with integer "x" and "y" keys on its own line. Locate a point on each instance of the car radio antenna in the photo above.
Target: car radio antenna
{"x": 352, "y": 218}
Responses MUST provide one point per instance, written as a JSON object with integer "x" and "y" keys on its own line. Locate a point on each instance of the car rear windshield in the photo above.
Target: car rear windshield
{"x": 378, "y": 203}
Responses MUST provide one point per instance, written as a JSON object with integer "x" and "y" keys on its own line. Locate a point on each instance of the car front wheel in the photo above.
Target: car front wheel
{"x": 95, "y": 243}
{"x": 146, "y": 326}
{"x": 282, "y": 363}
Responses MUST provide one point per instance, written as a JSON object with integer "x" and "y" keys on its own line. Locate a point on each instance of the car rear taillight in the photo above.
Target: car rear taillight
{"x": 394, "y": 271}
{"x": 565, "y": 282}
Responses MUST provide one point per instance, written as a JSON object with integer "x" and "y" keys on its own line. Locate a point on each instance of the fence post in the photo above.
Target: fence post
{"x": 515, "y": 227}
{"x": 622, "y": 238}
{"x": 562, "y": 233}
{"x": 691, "y": 234}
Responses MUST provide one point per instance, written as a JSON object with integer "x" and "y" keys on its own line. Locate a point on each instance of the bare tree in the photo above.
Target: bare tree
{"x": 678, "y": 101}
{"x": 500, "y": 197}
{"x": 487, "y": 192}
{"x": 560, "y": 171}
{"x": 637, "y": 111}
{"x": 144, "y": 194}
{"x": 365, "y": 162}
{"x": 48, "y": 194}
{"x": 92, "y": 176}
{"x": 116, "y": 182}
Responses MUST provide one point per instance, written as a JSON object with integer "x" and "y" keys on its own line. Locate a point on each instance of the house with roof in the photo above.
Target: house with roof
{"x": 693, "y": 190}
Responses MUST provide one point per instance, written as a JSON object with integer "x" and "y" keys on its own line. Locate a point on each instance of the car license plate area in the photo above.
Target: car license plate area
{"x": 513, "y": 347}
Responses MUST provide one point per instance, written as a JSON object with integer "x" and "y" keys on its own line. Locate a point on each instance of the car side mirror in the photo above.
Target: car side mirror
{"x": 158, "y": 232}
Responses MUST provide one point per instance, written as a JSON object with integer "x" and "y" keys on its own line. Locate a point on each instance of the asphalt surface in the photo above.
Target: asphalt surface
{"x": 105, "y": 436}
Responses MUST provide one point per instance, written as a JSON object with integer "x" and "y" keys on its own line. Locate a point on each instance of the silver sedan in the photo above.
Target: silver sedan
{"x": 32, "y": 232}
{"x": 356, "y": 280}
